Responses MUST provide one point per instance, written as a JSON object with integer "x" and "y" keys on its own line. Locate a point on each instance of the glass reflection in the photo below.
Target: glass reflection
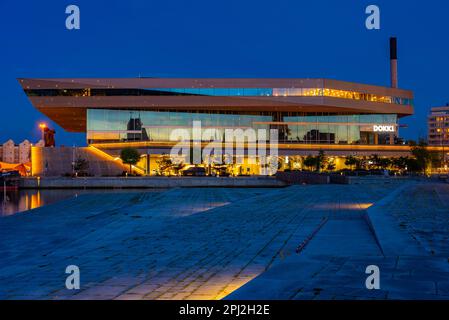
{"x": 126, "y": 125}
{"x": 224, "y": 92}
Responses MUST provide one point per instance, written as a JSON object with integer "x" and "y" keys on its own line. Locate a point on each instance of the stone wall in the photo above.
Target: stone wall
{"x": 57, "y": 161}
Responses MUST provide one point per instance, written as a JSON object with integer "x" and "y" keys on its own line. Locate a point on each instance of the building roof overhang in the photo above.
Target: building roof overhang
{"x": 70, "y": 111}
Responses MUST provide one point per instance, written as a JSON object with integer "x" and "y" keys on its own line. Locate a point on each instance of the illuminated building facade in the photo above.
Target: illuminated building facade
{"x": 438, "y": 126}
{"x": 309, "y": 114}
{"x": 303, "y": 110}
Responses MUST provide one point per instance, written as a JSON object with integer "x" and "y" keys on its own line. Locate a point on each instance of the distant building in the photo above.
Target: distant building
{"x": 17, "y": 153}
{"x": 8, "y": 154}
{"x": 438, "y": 126}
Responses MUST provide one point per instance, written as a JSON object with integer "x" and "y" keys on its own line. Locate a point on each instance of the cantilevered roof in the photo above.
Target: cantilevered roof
{"x": 53, "y": 97}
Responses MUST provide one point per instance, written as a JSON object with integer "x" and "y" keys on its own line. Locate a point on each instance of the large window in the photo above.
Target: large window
{"x": 129, "y": 125}
{"x": 225, "y": 92}
{"x": 339, "y": 129}
{"x": 122, "y": 125}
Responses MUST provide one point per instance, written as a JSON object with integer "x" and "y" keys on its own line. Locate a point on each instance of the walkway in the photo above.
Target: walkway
{"x": 411, "y": 225}
{"x": 195, "y": 244}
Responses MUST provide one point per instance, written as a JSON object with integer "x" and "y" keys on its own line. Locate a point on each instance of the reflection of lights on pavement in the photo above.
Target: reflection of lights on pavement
{"x": 365, "y": 205}
{"x": 347, "y": 206}
{"x": 215, "y": 288}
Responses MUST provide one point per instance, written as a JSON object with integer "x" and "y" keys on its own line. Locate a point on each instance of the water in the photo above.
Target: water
{"x": 23, "y": 200}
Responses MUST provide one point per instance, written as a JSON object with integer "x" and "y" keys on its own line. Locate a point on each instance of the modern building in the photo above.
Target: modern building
{"x": 338, "y": 117}
{"x": 310, "y": 114}
{"x": 438, "y": 126}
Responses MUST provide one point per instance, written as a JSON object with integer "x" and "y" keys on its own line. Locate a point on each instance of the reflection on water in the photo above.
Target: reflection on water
{"x": 18, "y": 201}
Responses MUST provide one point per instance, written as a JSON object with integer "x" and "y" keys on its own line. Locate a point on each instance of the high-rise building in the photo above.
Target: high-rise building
{"x": 438, "y": 126}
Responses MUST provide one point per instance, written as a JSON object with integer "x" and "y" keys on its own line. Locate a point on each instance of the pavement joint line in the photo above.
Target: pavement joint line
{"x": 309, "y": 238}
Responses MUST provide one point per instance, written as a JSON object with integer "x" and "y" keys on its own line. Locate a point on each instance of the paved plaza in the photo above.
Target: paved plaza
{"x": 214, "y": 243}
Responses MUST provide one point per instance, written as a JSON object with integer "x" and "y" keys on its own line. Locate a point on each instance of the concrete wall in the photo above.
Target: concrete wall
{"x": 298, "y": 177}
{"x": 150, "y": 182}
{"x": 56, "y": 162}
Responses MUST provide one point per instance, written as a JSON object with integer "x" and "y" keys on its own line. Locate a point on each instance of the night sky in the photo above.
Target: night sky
{"x": 220, "y": 38}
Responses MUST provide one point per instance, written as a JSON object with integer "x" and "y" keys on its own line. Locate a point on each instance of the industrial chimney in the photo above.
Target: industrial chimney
{"x": 394, "y": 62}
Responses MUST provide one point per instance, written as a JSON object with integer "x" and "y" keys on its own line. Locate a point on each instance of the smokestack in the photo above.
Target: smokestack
{"x": 394, "y": 62}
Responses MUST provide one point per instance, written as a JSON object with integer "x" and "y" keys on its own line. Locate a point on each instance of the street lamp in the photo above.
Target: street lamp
{"x": 42, "y": 126}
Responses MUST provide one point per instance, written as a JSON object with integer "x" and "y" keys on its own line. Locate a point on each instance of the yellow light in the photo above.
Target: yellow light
{"x": 106, "y": 156}
{"x": 42, "y": 125}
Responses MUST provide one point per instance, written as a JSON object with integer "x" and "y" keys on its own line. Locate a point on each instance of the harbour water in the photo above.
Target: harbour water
{"x": 13, "y": 202}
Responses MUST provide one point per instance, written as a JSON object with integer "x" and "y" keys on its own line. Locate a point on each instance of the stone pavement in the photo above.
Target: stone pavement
{"x": 411, "y": 251}
{"x": 202, "y": 243}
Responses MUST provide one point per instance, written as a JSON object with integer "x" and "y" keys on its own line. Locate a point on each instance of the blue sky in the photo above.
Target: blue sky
{"x": 220, "y": 38}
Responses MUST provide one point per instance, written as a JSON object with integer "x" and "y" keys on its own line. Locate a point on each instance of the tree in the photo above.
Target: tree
{"x": 130, "y": 156}
{"x": 351, "y": 161}
{"x": 318, "y": 163}
{"x": 310, "y": 162}
{"x": 400, "y": 163}
{"x": 412, "y": 165}
{"x": 81, "y": 165}
{"x": 321, "y": 161}
{"x": 436, "y": 160}
{"x": 422, "y": 156}
{"x": 374, "y": 161}
{"x": 331, "y": 165}
{"x": 363, "y": 163}
{"x": 384, "y": 163}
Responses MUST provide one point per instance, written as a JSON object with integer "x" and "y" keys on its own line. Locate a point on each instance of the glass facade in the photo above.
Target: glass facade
{"x": 105, "y": 125}
{"x": 338, "y": 129}
{"x": 225, "y": 92}
{"x": 121, "y": 125}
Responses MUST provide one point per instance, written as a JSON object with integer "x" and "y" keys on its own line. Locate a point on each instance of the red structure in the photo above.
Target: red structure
{"x": 49, "y": 137}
